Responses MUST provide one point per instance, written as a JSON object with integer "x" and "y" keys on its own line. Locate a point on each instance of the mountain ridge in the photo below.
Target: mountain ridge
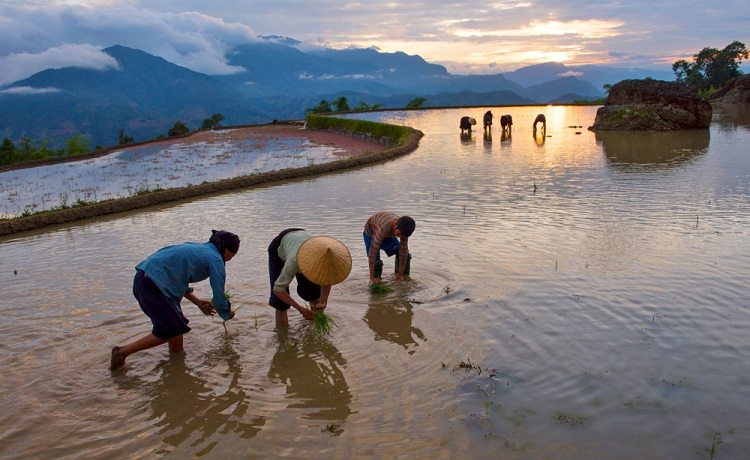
{"x": 147, "y": 94}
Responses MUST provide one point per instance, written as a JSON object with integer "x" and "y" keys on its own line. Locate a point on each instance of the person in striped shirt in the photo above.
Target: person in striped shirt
{"x": 390, "y": 232}
{"x": 161, "y": 282}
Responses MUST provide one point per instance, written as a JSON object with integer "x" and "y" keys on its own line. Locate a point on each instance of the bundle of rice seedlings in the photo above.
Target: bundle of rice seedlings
{"x": 379, "y": 288}
{"x": 322, "y": 323}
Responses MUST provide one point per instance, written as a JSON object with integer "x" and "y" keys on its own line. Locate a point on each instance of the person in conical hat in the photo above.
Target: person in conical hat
{"x": 316, "y": 262}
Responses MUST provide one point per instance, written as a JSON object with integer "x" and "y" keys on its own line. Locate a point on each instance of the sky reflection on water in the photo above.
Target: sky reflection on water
{"x": 594, "y": 286}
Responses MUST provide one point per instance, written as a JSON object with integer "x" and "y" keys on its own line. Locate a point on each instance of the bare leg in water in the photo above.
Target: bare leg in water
{"x": 120, "y": 353}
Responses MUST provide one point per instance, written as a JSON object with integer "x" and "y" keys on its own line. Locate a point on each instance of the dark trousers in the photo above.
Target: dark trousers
{"x": 305, "y": 288}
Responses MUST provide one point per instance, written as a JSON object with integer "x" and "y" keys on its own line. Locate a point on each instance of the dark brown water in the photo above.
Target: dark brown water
{"x": 575, "y": 296}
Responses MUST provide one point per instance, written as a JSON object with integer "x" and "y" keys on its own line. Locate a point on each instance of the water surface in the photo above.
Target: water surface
{"x": 579, "y": 295}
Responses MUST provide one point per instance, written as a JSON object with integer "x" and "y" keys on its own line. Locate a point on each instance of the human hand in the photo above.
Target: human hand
{"x": 399, "y": 277}
{"x": 308, "y": 314}
{"x": 319, "y": 306}
{"x": 374, "y": 280}
{"x": 207, "y": 307}
{"x": 231, "y": 314}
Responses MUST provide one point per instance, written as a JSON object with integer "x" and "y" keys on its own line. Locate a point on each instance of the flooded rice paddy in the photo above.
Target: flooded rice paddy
{"x": 572, "y": 296}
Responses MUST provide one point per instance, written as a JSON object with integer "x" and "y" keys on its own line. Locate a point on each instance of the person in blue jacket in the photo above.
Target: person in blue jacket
{"x": 163, "y": 279}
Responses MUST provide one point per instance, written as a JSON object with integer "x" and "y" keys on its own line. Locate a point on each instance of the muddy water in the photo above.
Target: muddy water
{"x": 577, "y": 296}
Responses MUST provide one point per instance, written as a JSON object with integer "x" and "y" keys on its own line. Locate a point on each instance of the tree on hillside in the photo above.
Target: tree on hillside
{"x": 711, "y": 68}
{"x": 213, "y": 122}
{"x": 416, "y": 103}
{"x": 123, "y": 138}
{"x": 342, "y": 105}
{"x": 178, "y": 129}
{"x": 7, "y": 152}
{"x": 77, "y": 145}
{"x": 362, "y": 106}
{"x": 323, "y": 107}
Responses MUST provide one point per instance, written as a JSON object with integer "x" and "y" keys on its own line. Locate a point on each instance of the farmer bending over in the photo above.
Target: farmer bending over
{"x": 317, "y": 262}
{"x": 162, "y": 280}
{"x": 389, "y": 232}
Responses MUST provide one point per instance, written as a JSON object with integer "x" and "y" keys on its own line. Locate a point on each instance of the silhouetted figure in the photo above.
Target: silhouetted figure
{"x": 466, "y": 124}
{"x": 506, "y": 122}
{"x": 543, "y": 120}
{"x": 487, "y": 120}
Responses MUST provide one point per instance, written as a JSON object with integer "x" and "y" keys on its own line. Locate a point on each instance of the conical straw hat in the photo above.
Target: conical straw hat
{"x": 324, "y": 260}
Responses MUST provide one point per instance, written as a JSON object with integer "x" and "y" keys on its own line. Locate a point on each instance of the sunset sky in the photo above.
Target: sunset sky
{"x": 466, "y": 37}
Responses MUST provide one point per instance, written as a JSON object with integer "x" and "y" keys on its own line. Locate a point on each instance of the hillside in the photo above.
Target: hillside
{"x": 146, "y": 95}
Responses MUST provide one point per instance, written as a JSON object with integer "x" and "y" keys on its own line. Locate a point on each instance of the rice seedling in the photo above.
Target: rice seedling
{"x": 379, "y": 288}
{"x": 322, "y": 323}
{"x": 224, "y": 323}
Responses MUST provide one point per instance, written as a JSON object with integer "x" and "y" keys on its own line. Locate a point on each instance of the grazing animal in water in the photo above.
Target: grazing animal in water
{"x": 466, "y": 124}
{"x": 540, "y": 119}
{"x": 506, "y": 122}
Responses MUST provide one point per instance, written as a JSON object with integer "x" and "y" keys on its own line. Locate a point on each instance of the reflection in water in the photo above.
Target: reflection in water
{"x": 731, "y": 115}
{"x": 539, "y": 137}
{"x": 187, "y": 410}
{"x": 311, "y": 369}
{"x": 392, "y": 321}
{"x": 605, "y": 298}
{"x": 488, "y": 138}
{"x": 624, "y": 147}
{"x": 505, "y": 136}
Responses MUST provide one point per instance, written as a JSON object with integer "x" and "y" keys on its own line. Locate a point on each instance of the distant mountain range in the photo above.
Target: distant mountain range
{"x": 147, "y": 94}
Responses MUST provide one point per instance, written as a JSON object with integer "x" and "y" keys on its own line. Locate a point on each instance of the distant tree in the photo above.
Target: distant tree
{"x": 77, "y": 145}
{"x": 323, "y": 107}
{"x": 213, "y": 122}
{"x": 711, "y": 68}
{"x": 607, "y": 88}
{"x": 26, "y": 149}
{"x": 416, "y": 103}
{"x": 342, "y": 105}
{"x": 44, "y": 151}
{"x": 178, "y": 129}
{"x": 123, "y": 139}
{"x": 7, "y": 152}
{"x": 362, "y": 106}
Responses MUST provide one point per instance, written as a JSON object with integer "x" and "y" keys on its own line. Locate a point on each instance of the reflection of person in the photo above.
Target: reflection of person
{"x": 188, "y": 410}
{"x": 314, "y": 380}
{"x": 391, "y": 320}
{"x": 163, "y": 279}
{"x": 317, "y": 262}
{"x": 387, "y": 231}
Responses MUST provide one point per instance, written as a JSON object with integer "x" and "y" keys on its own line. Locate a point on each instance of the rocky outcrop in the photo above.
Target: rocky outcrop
{"x": 652, "y": 105}
{"x": 736, "y": 91}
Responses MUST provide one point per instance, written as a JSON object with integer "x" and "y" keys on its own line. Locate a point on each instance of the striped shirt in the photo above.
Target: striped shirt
{"x": 380, "y": 226}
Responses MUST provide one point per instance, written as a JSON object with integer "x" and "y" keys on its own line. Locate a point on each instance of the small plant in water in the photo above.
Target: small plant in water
{"x": 331, "y": 428}
{"x": 716, "y": 441}
{"x": 379, "y": 288}
{"x": 322, "y": 323}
